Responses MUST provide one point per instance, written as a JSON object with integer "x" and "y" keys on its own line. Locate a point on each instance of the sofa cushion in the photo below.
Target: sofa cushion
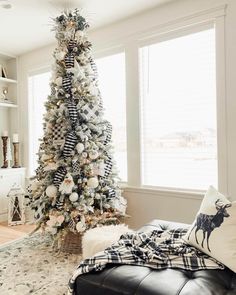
{"x": 214, "y": 228}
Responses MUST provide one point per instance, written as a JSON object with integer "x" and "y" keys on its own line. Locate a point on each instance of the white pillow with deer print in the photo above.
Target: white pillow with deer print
{"x": 214, "y": 228}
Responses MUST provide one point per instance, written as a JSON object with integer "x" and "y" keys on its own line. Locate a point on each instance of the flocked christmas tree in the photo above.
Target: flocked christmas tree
{"x": 76, "y": 182}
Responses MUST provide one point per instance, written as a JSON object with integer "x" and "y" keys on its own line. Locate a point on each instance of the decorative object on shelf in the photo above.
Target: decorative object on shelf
{"x": 4, "y": 147}
{"x": 4, "y": 72}
{"x": 9, "y": 155}
{"x": 4, "y": 93}
{"x": 16, "y": 208}
{"x": 15, "y": 141}
{"x": 4, "y": 98}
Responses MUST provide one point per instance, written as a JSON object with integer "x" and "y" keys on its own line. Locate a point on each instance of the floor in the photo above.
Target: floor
{"x": 11, "y": 233}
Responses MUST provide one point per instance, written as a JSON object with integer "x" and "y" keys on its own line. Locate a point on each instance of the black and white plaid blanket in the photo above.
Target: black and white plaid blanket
{"x": 155, "y": 249}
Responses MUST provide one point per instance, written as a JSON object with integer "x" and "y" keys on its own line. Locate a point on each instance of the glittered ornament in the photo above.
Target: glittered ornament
{"x": 79, "y": 147}
{"x": 51, "y": 191}
{"x": 93, "y": 182}
{"x": 74, "y": 197}
{"x": 93, "y": 155}
{"x": 80, "y": 227}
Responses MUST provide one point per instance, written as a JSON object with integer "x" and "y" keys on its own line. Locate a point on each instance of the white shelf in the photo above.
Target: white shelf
{"x": 8, "y": 105}
{"x": 6, "y": 80}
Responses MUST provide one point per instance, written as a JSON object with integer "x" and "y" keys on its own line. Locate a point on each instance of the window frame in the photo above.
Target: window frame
{"x": 177, "y": 31}
{"x": 156, "y": 40}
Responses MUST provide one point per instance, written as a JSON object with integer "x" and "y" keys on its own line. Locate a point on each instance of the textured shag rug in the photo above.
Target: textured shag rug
{"x": 31, "y": 266}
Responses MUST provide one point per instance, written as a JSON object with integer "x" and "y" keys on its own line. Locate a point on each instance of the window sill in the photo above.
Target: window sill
{"x": 162, "y": 192}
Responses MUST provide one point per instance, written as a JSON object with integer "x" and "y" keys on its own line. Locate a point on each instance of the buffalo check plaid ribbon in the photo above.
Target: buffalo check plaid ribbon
{"x": 156, "y": 249}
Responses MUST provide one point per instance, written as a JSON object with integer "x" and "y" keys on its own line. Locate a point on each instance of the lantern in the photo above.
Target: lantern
{"x": 16, "y": 208}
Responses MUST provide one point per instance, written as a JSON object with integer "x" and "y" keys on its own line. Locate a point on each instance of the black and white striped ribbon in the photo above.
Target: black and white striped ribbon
{"x": 72, "y": 110}
{"x": 67, "y": 83}
{"x": 111, "y": 193}
{"x": 108, "y": 133}
{"x": 69, "y": 60}
{"x": 94, "y": 67}
{"x": 71, "y": 45}
{"x": 59, "y": 176}
{"x": 108, "y": 166}
{"x": 70, "y": 143}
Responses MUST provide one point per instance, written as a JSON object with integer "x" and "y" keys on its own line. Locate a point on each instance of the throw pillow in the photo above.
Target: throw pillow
{"x": 214, "y": 229}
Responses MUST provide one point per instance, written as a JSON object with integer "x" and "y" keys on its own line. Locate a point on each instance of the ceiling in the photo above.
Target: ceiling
{"x": 26, "y": 25}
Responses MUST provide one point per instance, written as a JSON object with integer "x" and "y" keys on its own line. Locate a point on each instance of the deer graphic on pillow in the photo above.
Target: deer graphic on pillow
{"x": 207, "y": 223}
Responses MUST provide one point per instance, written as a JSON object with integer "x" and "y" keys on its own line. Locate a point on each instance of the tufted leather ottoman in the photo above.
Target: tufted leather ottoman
{"x": 138, "y": 280}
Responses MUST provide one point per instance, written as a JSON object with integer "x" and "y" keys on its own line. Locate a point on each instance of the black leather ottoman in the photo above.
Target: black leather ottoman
{"x": 138, "y": 280}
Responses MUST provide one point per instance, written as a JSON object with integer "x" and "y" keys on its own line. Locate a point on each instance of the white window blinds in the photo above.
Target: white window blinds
{"x": 111, "y": 76}
{"x": 179, "y": 138}
{"x": 38, "y": 89}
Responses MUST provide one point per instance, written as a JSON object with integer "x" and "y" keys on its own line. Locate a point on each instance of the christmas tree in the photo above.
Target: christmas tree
{"x": 75, "y": 187}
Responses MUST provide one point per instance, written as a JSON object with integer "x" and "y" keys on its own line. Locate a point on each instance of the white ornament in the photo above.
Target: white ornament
{"x": 60, "y": 55}
{"x": 74, "y": 197}
{"x": 34, "y": 185}
{"x": 80, "y": 226}
{"x": 58, "y": 81}
{"x": 51, "y": 191}
{"x": 79, "y": 147}
{"x": 93, "y": 90}
{"x": 93, "y": 182}
{"x": 67, "y": 185}
{"x": 93, "y": 155}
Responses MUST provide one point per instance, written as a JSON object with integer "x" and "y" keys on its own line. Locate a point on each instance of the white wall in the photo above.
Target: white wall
{"x": 145, "y": 204}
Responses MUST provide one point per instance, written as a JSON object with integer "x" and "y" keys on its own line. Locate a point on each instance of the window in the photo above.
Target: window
{"x": 39, "y": 89}
{"x": 179, "y": 137}
{"x": 111, "y": 75}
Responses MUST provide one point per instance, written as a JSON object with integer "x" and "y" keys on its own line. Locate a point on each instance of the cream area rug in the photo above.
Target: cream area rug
{"x": 31, "y": 266}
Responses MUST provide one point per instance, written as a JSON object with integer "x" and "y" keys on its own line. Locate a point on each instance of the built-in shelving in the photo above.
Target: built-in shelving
{"x": 8, "y": 105}
{"x": 9, "y": 111}
{"x": 7, "y": 80}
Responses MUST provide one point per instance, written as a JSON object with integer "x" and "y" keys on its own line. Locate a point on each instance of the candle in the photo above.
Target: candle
{"x": 15, "y": 137}
{"x": 5, "y": 133}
